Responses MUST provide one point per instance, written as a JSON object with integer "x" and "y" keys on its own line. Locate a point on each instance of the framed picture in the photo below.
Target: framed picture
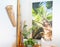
{"x": 42, "y": 13}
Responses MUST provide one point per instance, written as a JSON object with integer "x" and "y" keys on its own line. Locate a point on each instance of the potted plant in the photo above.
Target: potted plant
{"x": 26, "y": 32}
{"x": 30, "y": 42}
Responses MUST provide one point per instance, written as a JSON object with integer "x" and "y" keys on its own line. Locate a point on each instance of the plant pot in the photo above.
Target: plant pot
{"x": 29, "y": 45}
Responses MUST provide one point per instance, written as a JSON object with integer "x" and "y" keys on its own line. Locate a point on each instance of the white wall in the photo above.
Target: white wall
{"x": 26, "y": 12}
{"x": 7, "y": 31}
{"x": 56, "y": 22}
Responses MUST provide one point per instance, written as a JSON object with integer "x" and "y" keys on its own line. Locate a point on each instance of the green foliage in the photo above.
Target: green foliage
{"x": 38, "y": 18}
{"x": 30, "y": 41}
{"x": 41, "y": 10}
{"x": 34, "y": 13}
{"x": 34, "y": 26}
{"x": 26, "y": 32}
{"x": 49, "y": 4}
{"x": 36, "y": 5}
{"x": 49, "y": 16}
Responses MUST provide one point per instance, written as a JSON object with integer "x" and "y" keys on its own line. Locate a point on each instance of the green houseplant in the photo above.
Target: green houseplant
{"x": 30, "y": 42}
{"x": 26, "y": 32}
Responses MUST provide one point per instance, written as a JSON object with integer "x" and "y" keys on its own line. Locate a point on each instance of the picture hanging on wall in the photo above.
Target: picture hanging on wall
{"x": 42, "y": 20}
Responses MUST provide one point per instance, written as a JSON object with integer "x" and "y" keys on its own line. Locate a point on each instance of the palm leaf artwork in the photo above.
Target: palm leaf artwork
{"x": 41, "y": 13}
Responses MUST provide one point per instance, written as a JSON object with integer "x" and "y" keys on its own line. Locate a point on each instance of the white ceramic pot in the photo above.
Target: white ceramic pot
{"x": 29, "y": 45}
